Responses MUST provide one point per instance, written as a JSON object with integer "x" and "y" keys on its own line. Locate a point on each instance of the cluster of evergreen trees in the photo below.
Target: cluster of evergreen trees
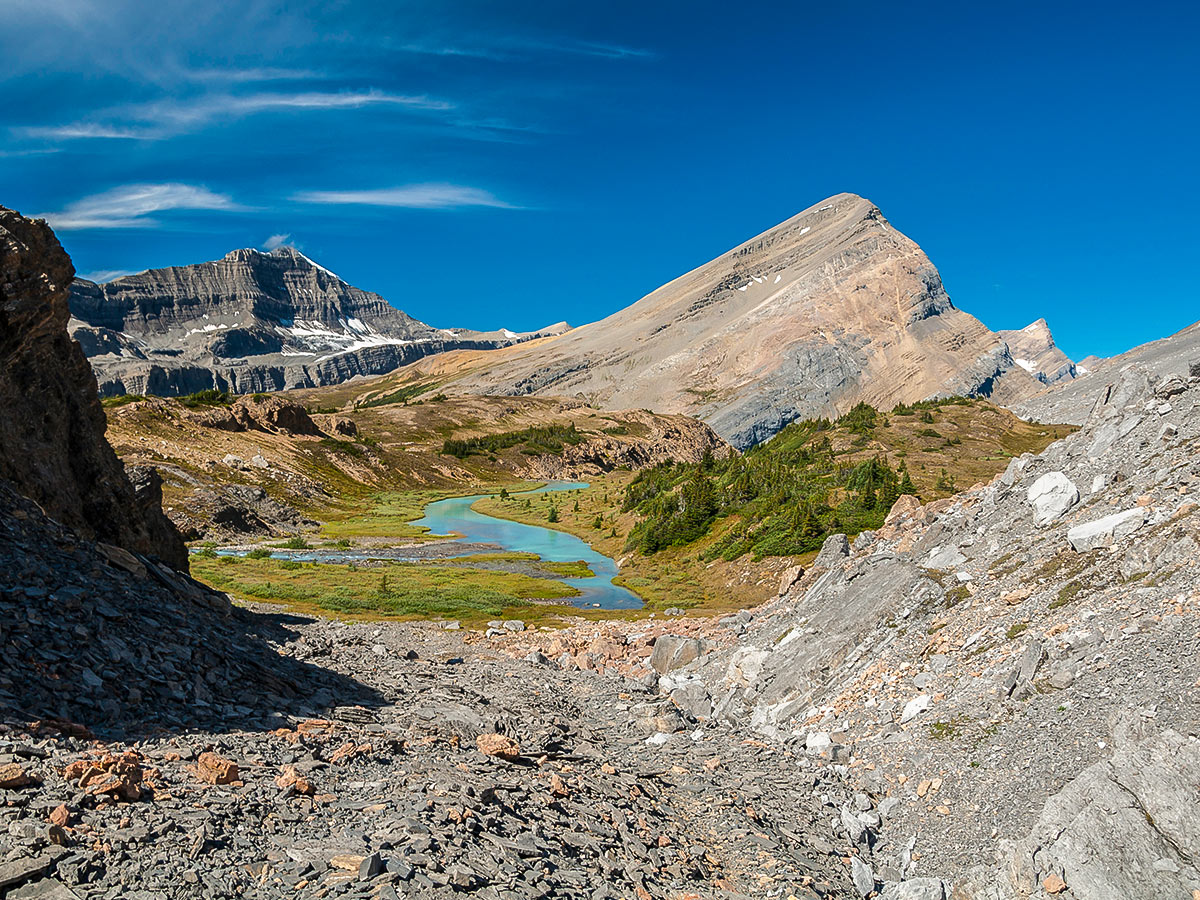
{"x": 787, "y": 495}
{"x": 537, "y": 441}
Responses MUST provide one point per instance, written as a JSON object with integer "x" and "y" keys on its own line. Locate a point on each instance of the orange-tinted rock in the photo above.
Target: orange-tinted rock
{"x": 216, "y": 769}
{"x": 12, "y": 777}
{"x": 498, "y": 745}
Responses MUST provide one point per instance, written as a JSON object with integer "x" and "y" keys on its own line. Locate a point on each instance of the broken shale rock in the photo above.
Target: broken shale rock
{"x": 52, "y": 446}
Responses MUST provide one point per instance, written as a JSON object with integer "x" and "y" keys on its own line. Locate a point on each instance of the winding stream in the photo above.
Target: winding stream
{"x": 455, "y": 518}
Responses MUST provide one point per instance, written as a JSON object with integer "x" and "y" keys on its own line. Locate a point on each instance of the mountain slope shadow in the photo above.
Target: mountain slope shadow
{"x": 96, "y": 636}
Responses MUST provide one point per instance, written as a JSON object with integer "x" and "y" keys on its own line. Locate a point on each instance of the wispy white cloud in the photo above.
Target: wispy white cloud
{"x": 245, "y": 76}
{"x": 103, "y": 275}
{"x": 412, "y": 196}
{"x": 82, "y": 130}
{"x": 505, "y": 49}
{"x": 276, "y": 240}
{"x": 167, "y": 118}
{"x": 599, "y": 48}
{"x": 132, "y": 206}
{"x": 29, "y": 151}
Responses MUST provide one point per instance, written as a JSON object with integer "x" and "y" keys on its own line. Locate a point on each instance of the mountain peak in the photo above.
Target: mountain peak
{"x": 285, "y": 253}
{"x": 1034, "y": 350}
{"x": 831, "y": 307}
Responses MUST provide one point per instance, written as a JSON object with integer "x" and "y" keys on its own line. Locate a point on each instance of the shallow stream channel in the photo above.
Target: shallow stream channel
{"x": 476, "y": 533}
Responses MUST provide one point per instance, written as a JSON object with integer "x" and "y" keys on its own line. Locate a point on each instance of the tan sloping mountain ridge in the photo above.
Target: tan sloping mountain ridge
{"x": 831, "y": 307}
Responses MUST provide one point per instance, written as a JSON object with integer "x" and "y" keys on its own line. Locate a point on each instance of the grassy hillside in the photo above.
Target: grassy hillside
{"x": 817, "y": 477}
{"x": 717, "y": 536}
{"x": 404, "y": 452}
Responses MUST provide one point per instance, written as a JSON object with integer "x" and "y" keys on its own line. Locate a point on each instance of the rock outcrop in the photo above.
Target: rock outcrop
{"x": 250, "y": 322}
{"x": 831, "y": 307}
{"x": 1073, "y": 400}
{"x": 52, "y": 446}
{"x": 1018, "y": 627}
{"x": 658, "y": 439}
{"x": 260, "y": 412}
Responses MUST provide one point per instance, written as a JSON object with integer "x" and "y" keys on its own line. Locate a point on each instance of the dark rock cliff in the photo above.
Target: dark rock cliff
{"x": 52, "y": 446}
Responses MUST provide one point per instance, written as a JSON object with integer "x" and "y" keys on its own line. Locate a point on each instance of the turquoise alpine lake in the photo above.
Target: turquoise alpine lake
{"x": 455, "y": 518}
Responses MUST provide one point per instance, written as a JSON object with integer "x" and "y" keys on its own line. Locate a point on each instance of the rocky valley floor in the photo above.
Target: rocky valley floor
{"x": 470, "y": 774}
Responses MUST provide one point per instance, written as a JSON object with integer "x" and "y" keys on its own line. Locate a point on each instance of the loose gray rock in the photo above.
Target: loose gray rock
{"x": 1052, "y": 496}
{"x": 1107, "y": 531}
{"x": 916, "y": 889}
{"x": 674, "y": 651}
{"x": 864, "y": 878}
{"x": 835, "y": 549}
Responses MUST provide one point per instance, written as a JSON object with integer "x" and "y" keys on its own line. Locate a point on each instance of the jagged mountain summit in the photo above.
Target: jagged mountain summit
{"x": 831, "y": 307}
{"x": 250, "y": 321}
{"x": 1034, "y": 350}
{"x": 1073, "y": 400}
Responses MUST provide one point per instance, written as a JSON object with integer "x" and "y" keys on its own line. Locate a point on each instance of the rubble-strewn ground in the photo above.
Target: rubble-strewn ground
{"x": 397, "y": 798}
{"x": 994, "y": 665}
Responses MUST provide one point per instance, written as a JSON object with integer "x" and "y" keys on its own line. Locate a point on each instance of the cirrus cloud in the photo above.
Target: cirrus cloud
{"x": 132, "y": 205}
{"x": 167, "y": 118}
{"x": 411, "y": 196}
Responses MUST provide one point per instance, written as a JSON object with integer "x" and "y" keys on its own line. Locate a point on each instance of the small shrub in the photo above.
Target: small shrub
{"x": 944, "y": 731}
{"x": 957, "y": 595}
{"x": 1067, "y": 594}
{"x": 210, "y": 397}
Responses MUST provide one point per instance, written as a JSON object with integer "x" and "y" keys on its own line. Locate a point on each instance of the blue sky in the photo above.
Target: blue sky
{"x": 513, "y": 164}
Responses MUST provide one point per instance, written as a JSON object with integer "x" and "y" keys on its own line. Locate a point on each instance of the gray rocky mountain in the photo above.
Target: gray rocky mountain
{"x": 1073, "y": 400}
{"x": 249, "y": 322}
{"x": 1015, "y": 667}
{"x": 1034, "y": 350}
{"x": 832, "y": 307}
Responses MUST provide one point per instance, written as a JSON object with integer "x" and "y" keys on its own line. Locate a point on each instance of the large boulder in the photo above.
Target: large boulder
{"x": 905, "y": 505}
{"x": 1107, "y": 531}
{"x": 790, "y": 576}
{"x": 52, "y": 446}
{"x": 673, "y": 651}
{"x": 835, "y": 549}
{"x": 1052, "y": 496}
